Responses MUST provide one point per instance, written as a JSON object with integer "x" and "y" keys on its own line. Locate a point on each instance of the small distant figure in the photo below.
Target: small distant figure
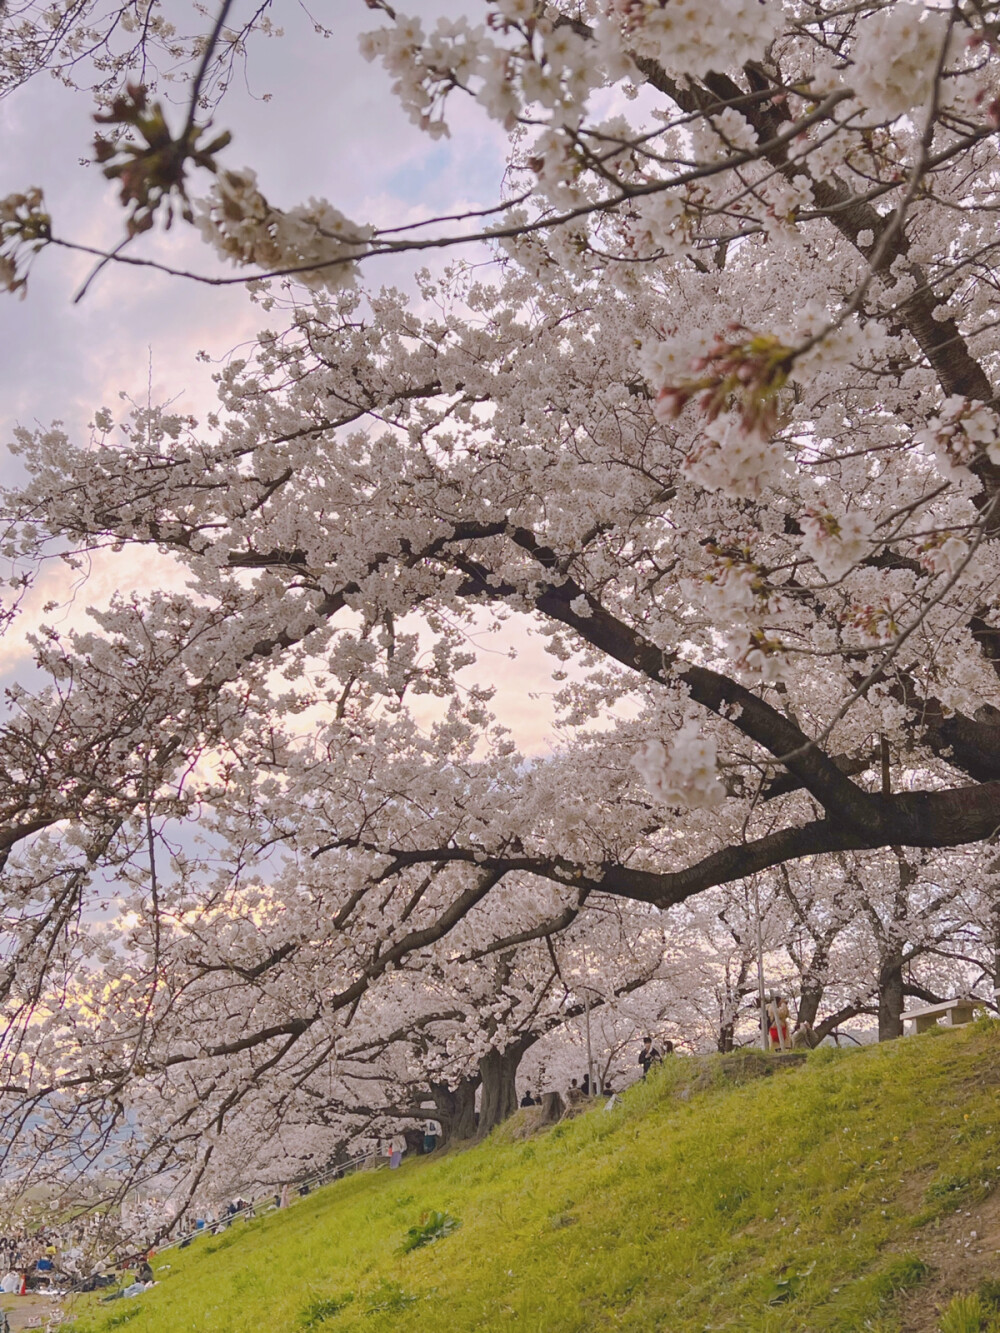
{"x": 585, "y": 1085}
{"x": 397, "y": 1147}
{"x": 649, "y": 1055}
{"x": 432, "y": 1131}
{"x": 10, "y": 1284}
{"x": 574, "y": 1093}
{"x": 777, "y": 1023}
{"x": 527, "y": 1099}
{"x": 284, "y": 1198}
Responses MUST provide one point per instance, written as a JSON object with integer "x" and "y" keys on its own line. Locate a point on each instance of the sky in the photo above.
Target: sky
{"x": 330, "y": 127}
{"x": 312, "y": 118}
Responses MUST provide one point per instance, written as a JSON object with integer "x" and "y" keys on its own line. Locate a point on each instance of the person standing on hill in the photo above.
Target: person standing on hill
{"x": 648, "y": 1056}
{"x": 777, "y": 1023}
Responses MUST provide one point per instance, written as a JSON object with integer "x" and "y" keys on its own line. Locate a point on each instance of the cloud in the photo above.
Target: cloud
{"x": 313, "y": 119}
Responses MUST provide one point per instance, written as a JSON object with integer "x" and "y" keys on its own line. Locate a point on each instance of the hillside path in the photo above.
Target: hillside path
{"x": 28, "y": 1311}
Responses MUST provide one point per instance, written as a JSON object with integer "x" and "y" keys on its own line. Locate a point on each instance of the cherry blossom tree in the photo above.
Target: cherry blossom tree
{"x": 716, "y": 417}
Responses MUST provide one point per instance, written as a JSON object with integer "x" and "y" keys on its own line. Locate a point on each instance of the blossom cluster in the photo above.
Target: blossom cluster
{"x": 895, "y": 58}
{"x": 686, "y": 774}
{"x": 314, "y": 241}
{"x": 739, "y": 372}
{"x": 943, "y": 553}
{"x": 737, "y": 462}
{"x": 685, "y": 36}
{"x": 962, "y": 431}
{"x": 733, "y": 586}
{"x": 835, "y": 543}
{"x": 424, "y": 69}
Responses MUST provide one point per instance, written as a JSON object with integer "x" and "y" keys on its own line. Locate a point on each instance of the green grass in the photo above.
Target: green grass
{"x": 709, "y": 1198}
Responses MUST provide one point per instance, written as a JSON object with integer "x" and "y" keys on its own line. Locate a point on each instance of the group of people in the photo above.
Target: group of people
{"x": 779, "y": 1038}
{"x": 395, "y": 1148}
{"x": 141, "y": 1272}
{"x": 780, "y": 1035}
{"x": 38, "y": 1265}
{"x": 10, "y": 1251}
{"x": 579, "y": 1089}
{"x": 649, "y": 1055}
{"x": 27, "y": 1265}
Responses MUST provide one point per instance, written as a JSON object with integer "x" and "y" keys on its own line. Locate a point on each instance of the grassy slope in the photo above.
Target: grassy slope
{"x": 701, "y": 1201}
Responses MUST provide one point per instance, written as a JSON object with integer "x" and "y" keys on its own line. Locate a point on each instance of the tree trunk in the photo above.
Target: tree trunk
{"x": 498, "y": 1070}
{"x": 552, "y": 1108}
{"x": 813, "y": 984}
{"x": 727, "y": 1038}
{"x": 455, "y": 1108}
{"x": 890, "y": 997}
{"x": 809, "y": 1002}
{"x": 890, "y": 969}
{"x": 414, "y": 1139}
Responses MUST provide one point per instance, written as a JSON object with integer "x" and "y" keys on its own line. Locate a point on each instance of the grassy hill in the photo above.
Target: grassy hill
{"x": 856, "y": 1190}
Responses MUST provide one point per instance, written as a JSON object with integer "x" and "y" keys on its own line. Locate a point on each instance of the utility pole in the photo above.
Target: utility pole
{"x": 590, "y": 1056}
{"x": 761, "y": 1000}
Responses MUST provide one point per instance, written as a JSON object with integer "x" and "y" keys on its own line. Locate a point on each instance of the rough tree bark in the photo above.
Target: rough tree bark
{"x": 813, "y": 985}
{"x": 890, "y": 996}
{"x": 552, "y": 1108}
{"x": 455, "y": 1109}
{"x": 498, "y": 1070}
{"x": 994, "y": 956}
{"x": 727, "y": 1038}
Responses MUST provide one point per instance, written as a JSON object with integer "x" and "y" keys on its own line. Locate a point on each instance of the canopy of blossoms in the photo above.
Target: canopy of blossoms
{"x": 715, "y": 416}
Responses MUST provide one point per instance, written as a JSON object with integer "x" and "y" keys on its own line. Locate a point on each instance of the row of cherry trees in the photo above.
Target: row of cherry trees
{"x": 716, "y": 419}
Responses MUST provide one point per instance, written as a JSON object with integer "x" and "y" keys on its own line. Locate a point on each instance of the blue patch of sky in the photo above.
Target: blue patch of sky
{"x": 410, "y": 181}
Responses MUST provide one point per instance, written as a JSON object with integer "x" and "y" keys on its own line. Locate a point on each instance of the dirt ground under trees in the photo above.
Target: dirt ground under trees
{"x": 962, "y": 1251}
{"x": 30, "y": 1311}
